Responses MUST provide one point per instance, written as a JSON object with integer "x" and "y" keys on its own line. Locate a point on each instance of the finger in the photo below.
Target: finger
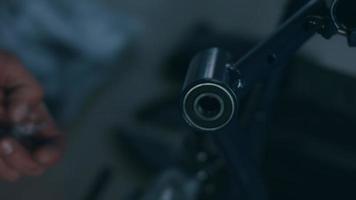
{"x": 21, "y": 102}
{"x": 3, "y": 113}
{"x": 48, "y": 156}
{"x": 19, "y": 159}
{"x": 24, "y": 90}
{"x": 47, "y": 126}
{"x": 8, "y": 173}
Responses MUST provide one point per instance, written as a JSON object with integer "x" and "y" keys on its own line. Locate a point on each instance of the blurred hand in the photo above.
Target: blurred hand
{"x": 21, "y": 101}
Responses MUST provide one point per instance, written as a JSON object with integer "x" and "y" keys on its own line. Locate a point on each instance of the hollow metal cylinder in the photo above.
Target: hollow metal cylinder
{"x": 208, "y": 101}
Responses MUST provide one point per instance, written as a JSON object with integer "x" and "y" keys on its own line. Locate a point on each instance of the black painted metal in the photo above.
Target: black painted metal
{"x": 344, "y": 18}
{"x": 242, "y": 143}
{"x": 280, "y": 47}
{"x": 208, "y": 101}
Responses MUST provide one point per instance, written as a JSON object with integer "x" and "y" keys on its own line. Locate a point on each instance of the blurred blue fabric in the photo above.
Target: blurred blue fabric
{"x": 71, "y": 46}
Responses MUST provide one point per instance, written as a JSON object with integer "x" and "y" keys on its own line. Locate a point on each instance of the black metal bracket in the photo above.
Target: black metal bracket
{"x": 217, "y": 89}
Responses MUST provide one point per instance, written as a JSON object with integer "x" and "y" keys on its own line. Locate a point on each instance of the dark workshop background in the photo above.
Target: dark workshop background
{"x": 111, "y": 66}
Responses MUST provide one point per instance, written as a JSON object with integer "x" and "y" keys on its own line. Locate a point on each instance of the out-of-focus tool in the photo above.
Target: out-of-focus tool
{"x": 25, "y": 133}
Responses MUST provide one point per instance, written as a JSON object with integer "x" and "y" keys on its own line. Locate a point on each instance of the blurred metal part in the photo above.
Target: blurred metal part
{"x": 100, "y": 183}
{"x": 27, "y": 129}
{"x": 173, "y": 185}
{"x": 26, "y": 134}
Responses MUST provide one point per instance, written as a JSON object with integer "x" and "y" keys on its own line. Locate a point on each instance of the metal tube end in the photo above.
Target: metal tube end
{"x": 208, "y": 106}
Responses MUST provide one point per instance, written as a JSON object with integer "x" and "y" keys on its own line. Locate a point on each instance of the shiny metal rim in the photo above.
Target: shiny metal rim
{"x": 340, "y": 29}
{"x": 190, "y": 121}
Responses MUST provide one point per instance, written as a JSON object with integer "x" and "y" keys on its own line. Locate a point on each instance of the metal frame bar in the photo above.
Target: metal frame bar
{"x": 241, "y": 145}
